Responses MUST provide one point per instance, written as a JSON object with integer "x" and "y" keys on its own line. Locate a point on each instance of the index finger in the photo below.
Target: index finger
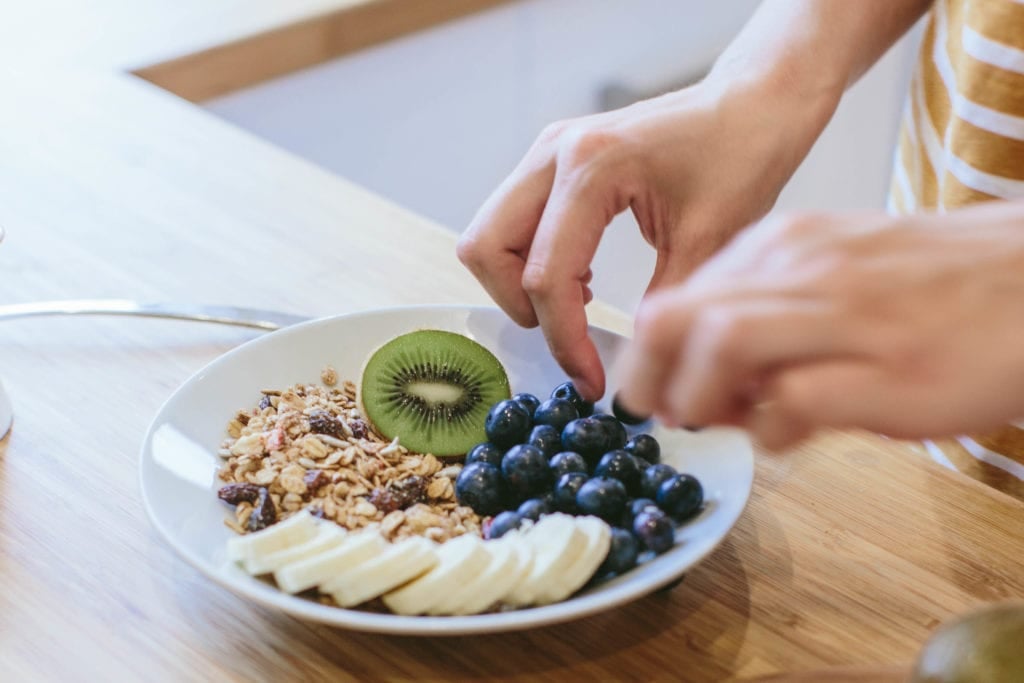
{"x": 556, "y": 275}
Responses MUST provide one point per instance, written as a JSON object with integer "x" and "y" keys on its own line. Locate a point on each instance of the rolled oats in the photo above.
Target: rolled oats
{"x": 264, "y": 477}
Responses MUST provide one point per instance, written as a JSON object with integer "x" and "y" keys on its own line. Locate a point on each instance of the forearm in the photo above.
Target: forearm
{"x": 782, "y": 77}
{"x": 815, "y": 47}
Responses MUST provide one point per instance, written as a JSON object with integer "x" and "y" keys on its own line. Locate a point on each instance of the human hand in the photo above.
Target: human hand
{"x": 908, "y": 326}
{"x": 694, "y": 166}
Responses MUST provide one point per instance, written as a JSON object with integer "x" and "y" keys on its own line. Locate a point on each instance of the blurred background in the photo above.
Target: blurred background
{"x": 435, "y": 120}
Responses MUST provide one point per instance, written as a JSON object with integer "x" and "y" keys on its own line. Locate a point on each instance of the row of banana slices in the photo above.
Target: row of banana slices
{"x": 540, "y": 564}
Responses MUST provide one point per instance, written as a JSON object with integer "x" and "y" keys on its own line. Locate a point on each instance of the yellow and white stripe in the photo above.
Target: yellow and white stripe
{"x": 961, "y": 142}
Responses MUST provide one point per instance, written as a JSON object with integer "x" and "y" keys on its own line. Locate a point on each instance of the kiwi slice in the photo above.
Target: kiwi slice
{"x": 432, "y": 389}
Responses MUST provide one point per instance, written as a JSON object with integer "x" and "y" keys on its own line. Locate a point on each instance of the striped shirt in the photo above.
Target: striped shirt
{"x": 962, "y": 141}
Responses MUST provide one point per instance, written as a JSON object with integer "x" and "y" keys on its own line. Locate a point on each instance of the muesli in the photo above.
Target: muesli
{"x": 308, "y": 447}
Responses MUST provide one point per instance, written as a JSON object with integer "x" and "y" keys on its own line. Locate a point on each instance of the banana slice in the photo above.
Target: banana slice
{"x": 355, "y": 549}
{"x": 557, "y": 543}
{"x": 459, "y": 560}
{"x": 398, "y": 565}
{"x": 599, "y": 539}
{"x": 329, "y": 535}
{"x": 511, "y": 558}
{"x": 297, "y": 529}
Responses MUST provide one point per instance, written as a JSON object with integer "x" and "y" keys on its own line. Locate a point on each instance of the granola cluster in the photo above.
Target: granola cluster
{"x": 309, "y": 447}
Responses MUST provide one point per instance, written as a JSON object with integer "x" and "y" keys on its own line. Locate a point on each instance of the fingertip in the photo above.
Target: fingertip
{"x": 591, "y": 389}
{"x": 586, "y": 370}
{"x": 589, "y": 378}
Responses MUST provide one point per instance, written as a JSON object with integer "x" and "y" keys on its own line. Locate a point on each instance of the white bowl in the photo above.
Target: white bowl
{"x": 179, "y": 461}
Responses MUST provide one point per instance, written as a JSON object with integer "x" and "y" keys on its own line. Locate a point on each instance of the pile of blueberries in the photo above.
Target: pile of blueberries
{"x": 559, "y": 456}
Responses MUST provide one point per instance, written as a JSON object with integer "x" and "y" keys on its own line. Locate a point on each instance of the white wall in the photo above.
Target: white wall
{"x": 434, "y": 121}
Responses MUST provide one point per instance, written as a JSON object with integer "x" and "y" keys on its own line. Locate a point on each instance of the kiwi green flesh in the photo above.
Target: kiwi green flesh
{"x": 432, "y": 389}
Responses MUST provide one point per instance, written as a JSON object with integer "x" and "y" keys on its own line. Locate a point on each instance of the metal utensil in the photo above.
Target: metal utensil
{"x": 6, "y": 412}
{"x": 224, "y": 315}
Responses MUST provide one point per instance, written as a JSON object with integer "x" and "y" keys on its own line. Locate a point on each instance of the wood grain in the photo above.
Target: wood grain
{"x": 851, "y": 551}
{"x": 355, "y": 26}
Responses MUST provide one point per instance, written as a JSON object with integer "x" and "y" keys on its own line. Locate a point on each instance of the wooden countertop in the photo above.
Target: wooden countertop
{"x": 852, "y": 549}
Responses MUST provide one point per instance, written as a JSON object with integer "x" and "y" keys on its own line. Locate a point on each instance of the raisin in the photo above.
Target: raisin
{"x": 385, "y": 500}
{"x": 265, "y": 402}
{"x": 359, "y": 428}
{"x": 242, "y": 417}
{"x": 413, "y": 489}
{"x": 322, "y": 422}
{"x": 264, "y": 513}
{"x": 238, "y": 493}
{"x": 400, "y": 495}
{"x": 314, "y": 479}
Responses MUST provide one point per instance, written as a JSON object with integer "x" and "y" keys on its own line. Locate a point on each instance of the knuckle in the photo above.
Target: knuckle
{"x": 468, "y": 251}
{"x": 536, "y": 280}
{"x": 586, "y": 147}
{"x": 551, "y": 133}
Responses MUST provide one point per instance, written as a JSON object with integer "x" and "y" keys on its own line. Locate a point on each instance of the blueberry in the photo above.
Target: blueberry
{"x": 526, "y": 471}
{"x": 680, "y": 496}
{"x": 624, "y": 415}
{"x": 504, "y": 523}
{"x": 604, "y": 497}
{"x": 507, "y": 423}
{"x": 622, "y": 553}
{"x": 485, "y": 452}
{"x": 652, "y": 477}
{"x": 480, "y": 486}
{"x": 556, "y": 412}
{"x": 586, "y": 436}
{"x": 567, "y": 390}
{"x": 619, "y": 464}
{"x": 616, "y": 432}
{"x": 534, "y": 508}
{"x": 654, "y": 530}
{"x": 568, "y": 461}
{"x": 528, "y": 401}
{"x": 545, "y": 438}
{"x": 635, "y": 507}
{"x": 566, "y": 488}
{"x": 646, "y": 447}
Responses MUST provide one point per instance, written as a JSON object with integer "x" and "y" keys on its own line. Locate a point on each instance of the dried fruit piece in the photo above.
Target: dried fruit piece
{"x": 359, "y": 428}
{"x": 314, "y": 479}
{"x": 263, "y": 513}
{"x": 322, "y": 422}
{"x": 400, "y": 495}
{"x": 265, "y": 402}
{"x": 238, "y": 493}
